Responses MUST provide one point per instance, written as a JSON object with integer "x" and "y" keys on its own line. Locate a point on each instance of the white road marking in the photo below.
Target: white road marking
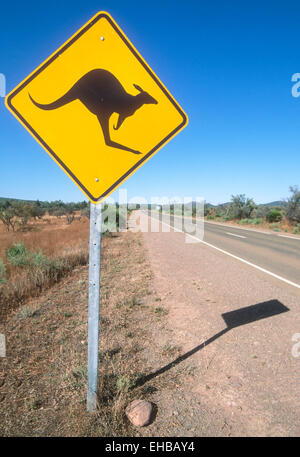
{"x": 233, "y": 234}
{"x": 291, "y": 237}
{"x": 218, "y": 223}
{"x": 237, "y": 258}
{"x": 239, "y": 228}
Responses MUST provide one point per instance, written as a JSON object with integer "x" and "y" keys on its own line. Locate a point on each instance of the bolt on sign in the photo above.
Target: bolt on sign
{"x": 97, "y": 108}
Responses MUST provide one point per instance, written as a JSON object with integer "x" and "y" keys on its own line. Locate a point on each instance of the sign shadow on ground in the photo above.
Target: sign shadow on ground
{"x": 232, "y": 319}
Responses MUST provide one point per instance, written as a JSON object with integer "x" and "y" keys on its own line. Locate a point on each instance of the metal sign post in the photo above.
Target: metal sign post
{"x": 94, "y": 300}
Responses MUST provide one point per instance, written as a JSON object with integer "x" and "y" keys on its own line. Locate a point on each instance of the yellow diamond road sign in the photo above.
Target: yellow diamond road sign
{"x": 97, "y": 108}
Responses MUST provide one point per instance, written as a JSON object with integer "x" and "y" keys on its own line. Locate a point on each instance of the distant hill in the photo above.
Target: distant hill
{"x": 4, "y": 199}
{"x": 280, "y": 203}
{"x": 277, "y": 203}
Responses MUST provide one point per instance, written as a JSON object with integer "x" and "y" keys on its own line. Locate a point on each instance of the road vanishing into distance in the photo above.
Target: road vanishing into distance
{"x": 276, "y": 253}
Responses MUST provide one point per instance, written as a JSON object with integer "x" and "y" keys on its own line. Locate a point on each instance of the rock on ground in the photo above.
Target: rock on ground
{"x": 139, "y": 412}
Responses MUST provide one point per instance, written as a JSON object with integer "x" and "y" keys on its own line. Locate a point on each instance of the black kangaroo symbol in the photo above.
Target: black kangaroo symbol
{"x": 102, "y": 94}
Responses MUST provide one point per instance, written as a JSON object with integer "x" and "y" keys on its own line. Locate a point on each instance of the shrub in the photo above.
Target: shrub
{"x": 260, "y": 212}
{"x": 39, "y": 260}
{"x": 246, "y": 221}
{"x": 113, "y": 218}
{"x": 124, "y": 383}
{"x": 2, "y": 272}
{"x": 251, "y": 221}
{"x": 240, "y": 207}
{"x": 274, "y": 216}
{"x": 26, "y": 312}
{"x": 18, "y": 255}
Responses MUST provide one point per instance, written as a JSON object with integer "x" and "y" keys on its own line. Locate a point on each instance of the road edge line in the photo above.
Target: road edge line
{"x": 235, "y": 257}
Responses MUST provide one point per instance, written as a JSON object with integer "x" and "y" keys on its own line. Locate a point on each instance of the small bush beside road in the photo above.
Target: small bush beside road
{"x": 274, "y": 215}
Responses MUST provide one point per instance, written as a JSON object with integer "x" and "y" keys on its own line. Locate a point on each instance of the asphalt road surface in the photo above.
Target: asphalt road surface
{"x": 277, "y": 253}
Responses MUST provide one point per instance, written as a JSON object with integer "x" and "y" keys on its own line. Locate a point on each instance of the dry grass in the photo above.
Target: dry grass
{"x": 27, "y": 283}
{"x": 66, "y": 247}
{"x": 52, "y": 235}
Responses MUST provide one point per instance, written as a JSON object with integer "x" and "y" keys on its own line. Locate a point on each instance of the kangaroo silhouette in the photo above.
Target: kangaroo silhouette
{"x": 102, "y": 94}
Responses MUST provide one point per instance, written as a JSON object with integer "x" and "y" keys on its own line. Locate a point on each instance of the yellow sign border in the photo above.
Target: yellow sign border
{"x": 55, "y": 55}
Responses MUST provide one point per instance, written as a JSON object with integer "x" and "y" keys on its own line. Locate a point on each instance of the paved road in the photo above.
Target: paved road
{"x": 277, "y": 253}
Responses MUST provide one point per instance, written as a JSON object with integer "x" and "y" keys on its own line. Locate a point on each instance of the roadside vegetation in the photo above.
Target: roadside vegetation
{"x": 41, "y": 242}
{"x": 281, "y": 216}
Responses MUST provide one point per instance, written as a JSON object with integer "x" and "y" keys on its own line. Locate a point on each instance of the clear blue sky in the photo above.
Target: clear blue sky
{"x": 228, "y": 63}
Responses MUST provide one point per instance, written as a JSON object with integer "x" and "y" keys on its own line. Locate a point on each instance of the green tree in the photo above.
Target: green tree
{"x": 37, "y": 211}
{"x": 293, "y": 205}
{"x": 7, "y": 218}
{"x": 240, "y": 207}
{"x": 70, "y": 214}
{"x": 22, "y": 212}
